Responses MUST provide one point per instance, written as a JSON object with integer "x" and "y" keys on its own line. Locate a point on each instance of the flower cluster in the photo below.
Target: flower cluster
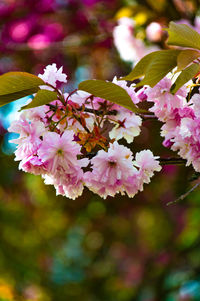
{"x": 181, "y": 118}
{"x": 72, "y": 142}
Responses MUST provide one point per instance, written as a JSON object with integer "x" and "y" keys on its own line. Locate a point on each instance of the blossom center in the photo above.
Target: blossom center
{"x": 112, "y": 163}
{"x": 60, "y": 152}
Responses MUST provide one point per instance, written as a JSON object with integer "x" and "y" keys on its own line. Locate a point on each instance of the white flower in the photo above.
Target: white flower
{"x": 80, "y": 97}
{"x": 128, "y": 127}
{"x": 184, "y": 129}
{"x": 52, "y": 74}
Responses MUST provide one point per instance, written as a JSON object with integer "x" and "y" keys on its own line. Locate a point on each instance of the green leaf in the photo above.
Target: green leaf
{"x": 186, "y": 57}
{"x": 15, "y": 85}
{"x": 140, "y": 68}
{"x": 154, "y": 67}
{"x": 159, "y": 67}
{"x": 41, "y": 98}
{"x": 109, "y": 91}
{"x": 187, "y": 74}
{"x": 5, "y": 99}
{"x": 183, "y": 35}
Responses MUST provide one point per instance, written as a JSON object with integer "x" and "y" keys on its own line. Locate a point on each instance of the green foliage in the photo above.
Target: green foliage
{"x": 185, "y": 76}
{"x": 41, "y": 98}
{"x": 140, "y": 69}
{"x": 109, "y": 91}
{"x": 138, "y": 249}
{"x": 186, "y": 57}
{"x": 183, "y": 35}
{"x": 15, "y": 85}
{"x": 154, "y": 67}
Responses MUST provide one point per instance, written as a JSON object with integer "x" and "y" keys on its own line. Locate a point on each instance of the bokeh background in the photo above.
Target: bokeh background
{"x": 90, "y": 249}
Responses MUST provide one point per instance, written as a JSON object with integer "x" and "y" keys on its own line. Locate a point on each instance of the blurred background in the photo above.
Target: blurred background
{"x": 90, "y": 249}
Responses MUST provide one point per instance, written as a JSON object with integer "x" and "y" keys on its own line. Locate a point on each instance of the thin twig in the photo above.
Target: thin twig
{"x": 172, "y": 161}
{"x": 70, "y": 94}
{"x": 146, "y": 116}
{"x": 183, "y": 196}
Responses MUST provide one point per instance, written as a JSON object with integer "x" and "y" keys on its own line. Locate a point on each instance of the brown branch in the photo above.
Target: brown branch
{"x": 172, "y": 161}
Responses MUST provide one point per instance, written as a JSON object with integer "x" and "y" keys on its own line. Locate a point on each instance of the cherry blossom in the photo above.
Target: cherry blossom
{"x": 73, "y": 142}
{"x": 51, "y": 75}
{"x": 127, "y": 126}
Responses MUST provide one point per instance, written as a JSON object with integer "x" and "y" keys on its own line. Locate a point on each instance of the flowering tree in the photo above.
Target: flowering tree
{"x": 71, "y": 139}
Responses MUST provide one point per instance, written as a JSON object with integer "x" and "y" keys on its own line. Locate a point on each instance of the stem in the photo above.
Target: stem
{"x": 70, "y": 94}
{"x": 172, "y": 161}
{"x": 78, "y": 119}
{"x": 61, "y": 97}
{"x": 97, "y": 112}
{"x": 56, "y": 123}
{"x": 148, "y": 117}
{"x": 93, "y": 111}
{"x": 183, "y": 196}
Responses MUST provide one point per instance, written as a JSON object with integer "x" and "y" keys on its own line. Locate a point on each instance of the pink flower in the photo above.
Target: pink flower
{"x": 164, "y": 102}
{"x": 110, "y": 170}
{"x": 133, "y": 184}
{"x": 51, "y": 75}
{"x": 147, "y": 163}
{"x": 63, "y": 169}
{"x": 154, "y": 32}
{"x": 33, "y": 165}
{"x": 36, "y": 114}
{"x": 141, "y": 95}
{"x": 80, "y": 97}
{"x": 130, "y": 48}
{"x": 181, "y": 127}
{"x": 129, "y": 89}
{"x": 195, "y": 99}
{"x": 67, "y": 183}
{"x": 30, "y": 137}
{"x": 187, "y": 142}
{"x": 185, "y": 130}
{"x": 114, "y": 171}
{"x": 59, "y": 151}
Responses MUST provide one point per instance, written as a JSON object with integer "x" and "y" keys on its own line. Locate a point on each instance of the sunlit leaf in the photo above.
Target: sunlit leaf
{"x": 187, "y": 74}
{"x": 159, "y": 67}
{"x": 41, "y": 98}
{"x": 109, "y": 91}
{"x": 140, "y": 68}
{"x": 15, "y": 85}
{"x": 154, "y": 67}
{"x": 186, "y": 57}
{"x": 183, "y": 35}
